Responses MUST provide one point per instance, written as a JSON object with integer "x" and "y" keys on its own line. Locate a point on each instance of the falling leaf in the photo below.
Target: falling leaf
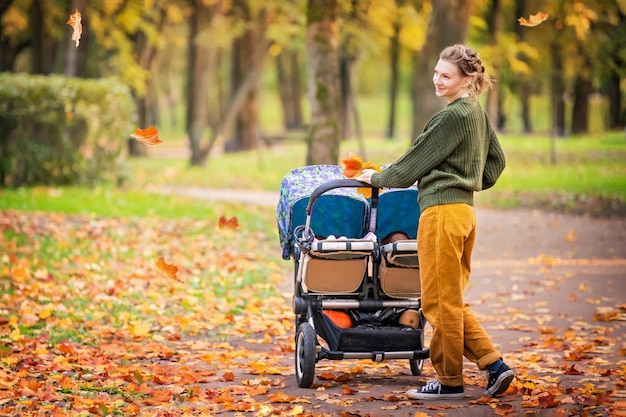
{"x": 533, "y": 20}
{"x": 170, "y": 271}
{"x": 75, "y": 23}
{"x": 225, "y": 223}
{"x": 149, "y": 136}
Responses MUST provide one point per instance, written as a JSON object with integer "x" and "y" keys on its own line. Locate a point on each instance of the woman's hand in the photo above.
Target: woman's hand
{"x": 366, "y": 176}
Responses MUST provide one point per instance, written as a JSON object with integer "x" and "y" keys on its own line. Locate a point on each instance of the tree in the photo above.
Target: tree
{"x": 323, "y": 81}
{"x": 202, "y": 61}
{"x": 289, "y": 88}
{"x": 449, "y": 22}
{"x": 394, "y": 63}
{"x": 494, "y": 24}
{"x": 245, "y": 57}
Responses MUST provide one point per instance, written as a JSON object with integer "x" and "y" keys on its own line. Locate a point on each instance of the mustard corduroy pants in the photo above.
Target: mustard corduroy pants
{"x": 446, "y": 236}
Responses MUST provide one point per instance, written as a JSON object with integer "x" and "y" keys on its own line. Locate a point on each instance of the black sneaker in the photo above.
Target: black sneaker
{"x": 434, "y": 390}
{"x": 499, "y": 381}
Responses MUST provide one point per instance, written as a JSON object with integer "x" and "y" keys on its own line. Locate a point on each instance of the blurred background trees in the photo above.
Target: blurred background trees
{"x": 207, "y": 68}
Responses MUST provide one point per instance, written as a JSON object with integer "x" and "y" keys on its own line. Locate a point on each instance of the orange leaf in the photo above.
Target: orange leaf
{"x": 225, "y": 223}
{"x": 75, "y": 23}
{"x": 352, "y": 166}
{"x": 349, "y": 391}
{"x": 149, "y": 136}
{"x": 534, "y": 19}
{"x": 228, "y": 376}
{"x": 169, "y": 270}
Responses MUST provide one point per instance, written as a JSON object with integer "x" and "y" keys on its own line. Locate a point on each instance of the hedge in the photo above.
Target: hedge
{"x": 56, "y": 130}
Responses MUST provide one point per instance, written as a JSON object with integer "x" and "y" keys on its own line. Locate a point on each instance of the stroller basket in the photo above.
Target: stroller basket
{"x": 357, "y": 259}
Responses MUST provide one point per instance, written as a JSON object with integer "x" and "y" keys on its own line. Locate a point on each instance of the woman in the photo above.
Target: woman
{"x": 457, "y": 154}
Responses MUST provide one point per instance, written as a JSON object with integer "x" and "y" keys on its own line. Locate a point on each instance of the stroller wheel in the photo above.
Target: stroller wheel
{"x": 416, "y": 366}
{"x": 305, "y": 355}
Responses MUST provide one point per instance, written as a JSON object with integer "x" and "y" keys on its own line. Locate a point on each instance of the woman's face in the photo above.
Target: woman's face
{"x": 448, "y": 81}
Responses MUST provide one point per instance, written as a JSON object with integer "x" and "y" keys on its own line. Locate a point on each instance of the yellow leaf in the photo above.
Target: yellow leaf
{"x": 141, "y": 328}
{"x": 16, "y": 335}
{"x": 534, "y": 19}
{"x": 75, "y": 23}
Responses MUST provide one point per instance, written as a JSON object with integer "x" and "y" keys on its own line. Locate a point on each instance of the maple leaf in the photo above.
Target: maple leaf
{"x": 225, "y": 223}
{"x": 149, "y": 136}
{"x": 75, "y": 23}
{"x": 169, "y": 270}
{"x": 534, "y": 19}
{"x": 352, "y": 166}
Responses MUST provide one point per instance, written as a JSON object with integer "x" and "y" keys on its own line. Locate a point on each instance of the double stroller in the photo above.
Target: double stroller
{"x": 356, "y": 273}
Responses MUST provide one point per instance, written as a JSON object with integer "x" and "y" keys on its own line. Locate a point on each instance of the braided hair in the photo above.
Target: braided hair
{"x": 469, "y": 63}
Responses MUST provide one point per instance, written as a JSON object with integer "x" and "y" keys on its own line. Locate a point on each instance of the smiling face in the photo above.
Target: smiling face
{"x": 449, "y": 82}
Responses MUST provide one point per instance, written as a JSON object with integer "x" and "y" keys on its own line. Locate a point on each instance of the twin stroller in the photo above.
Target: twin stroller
{"x": 356, "y": 273}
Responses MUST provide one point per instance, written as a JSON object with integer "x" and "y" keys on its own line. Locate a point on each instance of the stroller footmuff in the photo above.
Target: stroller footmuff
{"x": 356, "y": 295}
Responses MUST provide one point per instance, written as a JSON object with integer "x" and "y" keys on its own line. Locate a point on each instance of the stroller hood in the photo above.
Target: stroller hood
{"x": 339, "y": 212}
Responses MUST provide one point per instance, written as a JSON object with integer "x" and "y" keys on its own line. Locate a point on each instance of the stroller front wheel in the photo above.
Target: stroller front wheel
{"x": 305, "y": 356}
{"x": 416, "y": 366}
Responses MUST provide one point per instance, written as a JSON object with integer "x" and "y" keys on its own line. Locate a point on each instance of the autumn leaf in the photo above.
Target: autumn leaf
{"x": 533, "y": 20}
{"x": 75, "y": 23}
{"x": 169, "y": 270}
{"x": 225, "y": 223}
{"x": 149, "y": 136}
{"x": 354, "y": 166}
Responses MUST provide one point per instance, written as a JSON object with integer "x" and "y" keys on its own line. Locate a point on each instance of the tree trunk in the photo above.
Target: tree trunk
{"x": 615, "y": 101}
{"x": 76, "y": 58}
{"x": 493, "y": 96}
{"x": 201, "y": 64}
{"x": 322, "y": 37}
{"x": 449, "y": 22}
{"x": 38, "y": 36}
{"x": 245, "y": 54}
{"x": 557, "y": 91}
{"x": 582, "y": 91}
{"x": 145, "y": 54}
{"x": 8, "y": 48}
{"x": 524, "y": 84}
{"x": 289, "y": 90}
{"x": 394, "y": 63}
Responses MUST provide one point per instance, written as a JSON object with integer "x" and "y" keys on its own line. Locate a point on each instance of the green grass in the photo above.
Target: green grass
{"x": 589, "y": 170}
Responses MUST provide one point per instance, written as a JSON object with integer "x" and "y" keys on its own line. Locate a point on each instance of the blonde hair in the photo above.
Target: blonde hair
{"x": 469, "y": 63}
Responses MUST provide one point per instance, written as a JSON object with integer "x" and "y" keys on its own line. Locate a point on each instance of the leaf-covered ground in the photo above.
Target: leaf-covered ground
{"x": 91, "y": 326}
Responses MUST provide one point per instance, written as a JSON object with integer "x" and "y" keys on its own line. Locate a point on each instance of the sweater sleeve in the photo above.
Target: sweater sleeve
{"x": 429, "y": 150}
{"x": 495, "y": 162}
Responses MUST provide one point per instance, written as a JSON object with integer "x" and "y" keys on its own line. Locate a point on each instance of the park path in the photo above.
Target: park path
{"x": 537, "y": 276}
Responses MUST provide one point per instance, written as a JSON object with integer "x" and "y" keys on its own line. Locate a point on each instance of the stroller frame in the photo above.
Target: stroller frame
{"x": 366, "y": 295}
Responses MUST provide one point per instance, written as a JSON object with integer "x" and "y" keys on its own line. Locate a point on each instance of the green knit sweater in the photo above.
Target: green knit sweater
{"x": 456, "y": 154}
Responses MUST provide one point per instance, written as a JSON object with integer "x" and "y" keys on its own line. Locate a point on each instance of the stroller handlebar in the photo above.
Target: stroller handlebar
{"x": 339, "y": 183}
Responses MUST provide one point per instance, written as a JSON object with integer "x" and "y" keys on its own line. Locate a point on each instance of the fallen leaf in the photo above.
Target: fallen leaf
{"x": 149, "y": 136}
{"x": 534, "y": 19}
{"x": 75, "y": 23}
{"x": 225, "y": 223}
{"x": 171, "y": 271}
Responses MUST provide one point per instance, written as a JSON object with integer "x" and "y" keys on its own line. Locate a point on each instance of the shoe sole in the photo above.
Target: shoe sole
{"x": 501, "y": 384}
{"x": 416, "y": 395}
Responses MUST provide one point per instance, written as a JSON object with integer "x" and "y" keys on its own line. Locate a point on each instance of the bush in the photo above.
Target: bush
{"x": 56, "y": 130}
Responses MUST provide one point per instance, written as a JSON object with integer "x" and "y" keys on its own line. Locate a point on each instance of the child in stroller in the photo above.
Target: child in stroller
{"x": 356, "y": 274}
